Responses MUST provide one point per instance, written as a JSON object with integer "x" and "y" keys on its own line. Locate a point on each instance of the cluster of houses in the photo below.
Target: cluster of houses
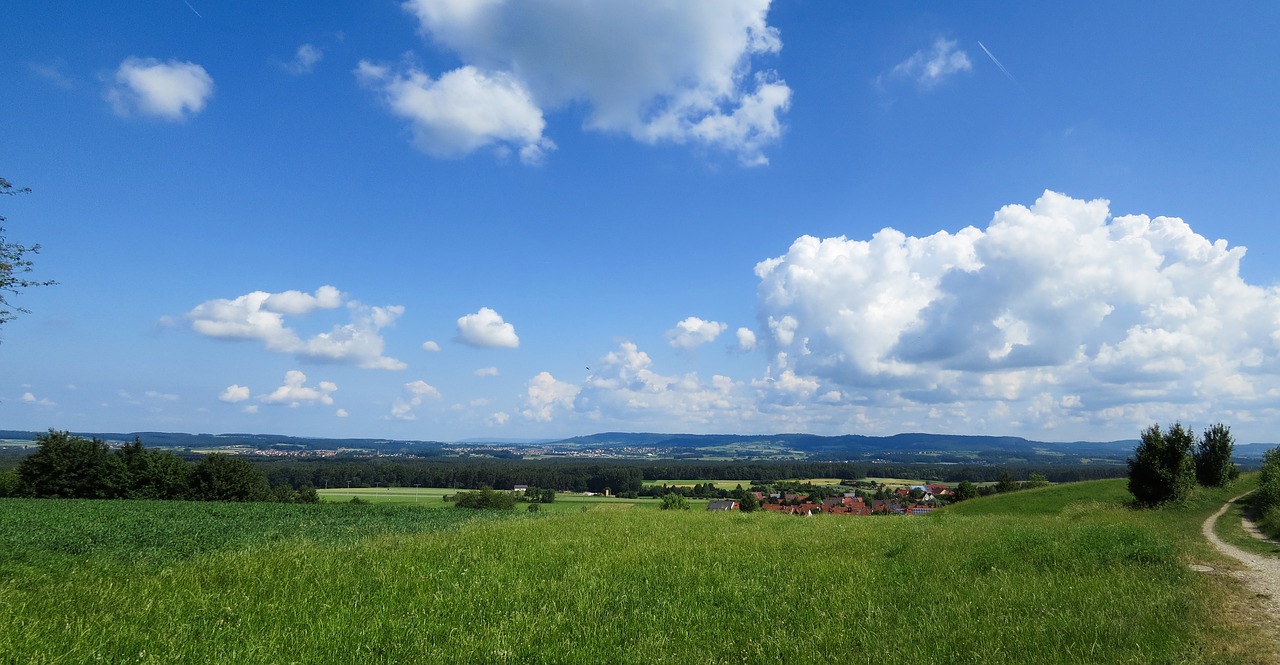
{"x": 847, "y": 504}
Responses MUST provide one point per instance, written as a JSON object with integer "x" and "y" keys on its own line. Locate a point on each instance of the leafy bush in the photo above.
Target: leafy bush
{"x": 674, "y": 501}
{"x": 1267, "y": 496}
{"x": 485, "y": 499}
{"x": 1161, "y": 470}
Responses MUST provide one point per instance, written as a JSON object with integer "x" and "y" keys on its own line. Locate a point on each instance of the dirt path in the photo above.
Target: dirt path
{"x": 1260, "y": 574}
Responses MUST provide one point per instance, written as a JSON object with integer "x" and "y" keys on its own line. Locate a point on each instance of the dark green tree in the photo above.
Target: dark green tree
{"x": 747, "y": 502}
{"x": 1161, "y": 469}
{"x": 485, "y": 499}
{"x": 71, "y": 467}
{"x": 8, "y": 483}
{"x": 1006, "y": 483}
{"x": 674, "y": 501}
{"x": 151, "y": 474}
{"x": 1268, "y": 494}
{"x": 966, "y": 490}
{"x": 1214, "y": 467}
{"x": 14, "y": 263}
{"x": 221, "y": 477}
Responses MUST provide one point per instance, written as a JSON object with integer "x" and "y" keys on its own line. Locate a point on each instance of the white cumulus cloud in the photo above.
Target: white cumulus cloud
{"x": 419, "y": 391}
{"x": 545, "y": 394}
{"x": 486, "y": 371}
{"x": 694, "y": 332}
{"x": 294, "y": 392}
{"x": 486, "y": 329}
{"x": 172, "y": 90}
{"x": 1059, "y": 312}
{"x": 462, "y": 111}
{"x": 430, "y": 346}
{"x": 658, "y": 71}
{"x": 746, "y": 339}
{"x": 259, "y": 316}
{"x": 234, "y": 393}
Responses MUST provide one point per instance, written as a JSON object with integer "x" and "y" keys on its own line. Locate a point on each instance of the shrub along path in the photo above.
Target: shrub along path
{"x": 1261, "y": 574}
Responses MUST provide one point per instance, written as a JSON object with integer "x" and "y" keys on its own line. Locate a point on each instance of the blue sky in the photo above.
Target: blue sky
{"x": 444, "y": 219}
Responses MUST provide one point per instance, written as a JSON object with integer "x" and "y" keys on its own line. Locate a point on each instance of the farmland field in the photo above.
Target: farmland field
{"x": 1089, "y": 582}
{"x": 433, "y": 497}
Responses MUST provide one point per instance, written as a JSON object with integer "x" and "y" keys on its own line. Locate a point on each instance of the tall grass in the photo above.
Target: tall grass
{"x": 1085, "y": 585}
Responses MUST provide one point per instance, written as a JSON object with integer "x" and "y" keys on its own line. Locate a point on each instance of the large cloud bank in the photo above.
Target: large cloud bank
{"x": 658, "y": 71}
{"x": 1059, "y": 310}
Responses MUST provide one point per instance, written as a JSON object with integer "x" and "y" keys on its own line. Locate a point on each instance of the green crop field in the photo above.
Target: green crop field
{"x": 433, "y": 497}
{"x": 1087, "y": 581}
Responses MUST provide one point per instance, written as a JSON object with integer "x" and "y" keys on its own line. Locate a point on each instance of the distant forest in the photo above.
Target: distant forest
{"x": 624, "y": 476}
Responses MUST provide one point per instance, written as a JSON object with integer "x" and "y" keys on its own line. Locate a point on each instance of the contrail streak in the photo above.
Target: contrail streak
{"x": 198, "y": 14}
{"x": 993, "y": 59}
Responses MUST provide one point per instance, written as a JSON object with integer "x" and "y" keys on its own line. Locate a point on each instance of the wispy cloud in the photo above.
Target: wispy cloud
{"x": 929, "y": 68}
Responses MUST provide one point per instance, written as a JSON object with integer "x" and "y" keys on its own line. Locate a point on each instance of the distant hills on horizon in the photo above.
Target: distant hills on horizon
{"x": 949, "y": 448}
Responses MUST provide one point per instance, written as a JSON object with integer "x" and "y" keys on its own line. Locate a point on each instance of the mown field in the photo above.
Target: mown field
{"x": 1061, "y": 574}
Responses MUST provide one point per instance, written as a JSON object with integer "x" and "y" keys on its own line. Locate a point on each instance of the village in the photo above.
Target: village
{"x": 913, "y": 500}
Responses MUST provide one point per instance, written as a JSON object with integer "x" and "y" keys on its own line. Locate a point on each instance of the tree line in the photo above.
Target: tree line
{"x": 621, "y": 477}
{"x": 72, "y": 467}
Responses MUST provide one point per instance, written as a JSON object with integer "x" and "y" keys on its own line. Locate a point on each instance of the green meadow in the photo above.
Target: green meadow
{"x": 1064, "y": 574}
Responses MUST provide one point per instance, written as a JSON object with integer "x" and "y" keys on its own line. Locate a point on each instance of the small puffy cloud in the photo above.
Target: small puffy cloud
{"x": 430, "y": 346}
{"x": 260, "y": 316}
{"x": 295, "y": 392}
{"x": 250, "y": 408}
{"x": 746, "y": 339}
{"x": 929, "y": 68}
{"x": 486, "y": 371}
{"x": 545, "y": 394}
{"x": 418, "y": 392}
{"x": 675, "y": 72}
{"x": 341, "y": 413}
{"x": 30, "y": 398}
{"x": 172, "y": 90}
{"x": 463, "y": 111}
{"x": 1065, "y": 315}
{"x": 486, "y": 329}
{"x": 304, "y": 59}
{"x": 155, "y": 394}
{"x": 694, "y": 332}
{"x": 498, "y": 419}
{"x": 234, "y": 393}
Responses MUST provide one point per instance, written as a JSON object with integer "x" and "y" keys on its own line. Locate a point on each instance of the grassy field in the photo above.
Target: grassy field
{"x": 433, "y": 497}
{"x": 1062, "y": 574}
{"x": 719, "y": 484}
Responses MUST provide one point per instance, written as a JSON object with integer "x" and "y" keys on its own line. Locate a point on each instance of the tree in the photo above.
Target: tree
{"x": 1268, "y": 494}
{"x": 70, "y": 467}
{"x": 1161, "y": 469}
{"x": 221, "y": 477}
{"x": 1214, "y": 467}
{"x": 674, "y": 501}
{"x": 746, "y": 500}
{"x": 14, "y": 263}
{"x": 966, "y": 490}
{"x": 151, "y": 474}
